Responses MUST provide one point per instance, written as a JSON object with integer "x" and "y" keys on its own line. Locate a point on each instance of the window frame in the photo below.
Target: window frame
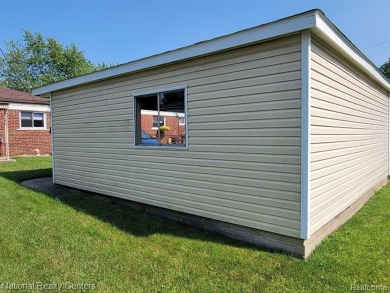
{"x": 135, "y": 122}
{"x": 32, "y": 127}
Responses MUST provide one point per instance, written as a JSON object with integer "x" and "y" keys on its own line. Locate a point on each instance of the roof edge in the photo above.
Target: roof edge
{"x": 4, "y": 101}
{"x": 314, "y": 20}
{"x": 334, "y": 36}
{"x": 285, "y": 26}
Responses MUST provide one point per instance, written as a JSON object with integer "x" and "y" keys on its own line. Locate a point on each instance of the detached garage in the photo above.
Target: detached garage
{"x": 275, "y": 135}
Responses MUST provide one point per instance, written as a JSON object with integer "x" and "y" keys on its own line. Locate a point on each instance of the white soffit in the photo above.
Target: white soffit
{"x": 313, "y": 19}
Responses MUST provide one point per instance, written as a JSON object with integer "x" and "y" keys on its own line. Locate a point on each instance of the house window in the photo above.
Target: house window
{"x": 32, "y": 120}
{"x": 156, "y": 118}
{"x": 182, "y": 120}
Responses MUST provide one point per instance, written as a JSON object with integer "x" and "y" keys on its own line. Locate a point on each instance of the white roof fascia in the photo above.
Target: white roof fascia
{"x": 340, "y": 42}
{"x": 314, "y": 20}
{"x": 29, "y": 107}
{"x": 271, "y": 30}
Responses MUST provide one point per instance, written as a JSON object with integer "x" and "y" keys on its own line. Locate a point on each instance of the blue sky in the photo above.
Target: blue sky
{"x": 121, "y": 31}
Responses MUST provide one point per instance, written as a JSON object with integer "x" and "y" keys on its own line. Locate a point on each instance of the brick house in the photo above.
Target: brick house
{"x": 174, "y": 121}
{"x": 24, "y": 124}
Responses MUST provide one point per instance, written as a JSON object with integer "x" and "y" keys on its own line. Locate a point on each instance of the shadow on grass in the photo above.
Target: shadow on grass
{"x": 19, "y": 176}
{"x": 134, "y": 221}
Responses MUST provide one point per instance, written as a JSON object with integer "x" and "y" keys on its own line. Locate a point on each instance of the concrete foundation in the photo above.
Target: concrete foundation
{"x": 271, "y": 241}
{"x": 316, "y": 238}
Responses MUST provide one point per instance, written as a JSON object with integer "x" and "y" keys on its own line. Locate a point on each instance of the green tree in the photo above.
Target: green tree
{"x": 37, "y": 60}
{"x": 385, "y": 68}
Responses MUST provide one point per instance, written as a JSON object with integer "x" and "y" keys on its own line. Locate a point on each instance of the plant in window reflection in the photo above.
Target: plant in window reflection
{"x": 164, "y": 128}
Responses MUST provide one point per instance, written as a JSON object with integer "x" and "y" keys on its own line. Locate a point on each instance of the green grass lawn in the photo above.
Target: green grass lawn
{"x": 80, "y": 239}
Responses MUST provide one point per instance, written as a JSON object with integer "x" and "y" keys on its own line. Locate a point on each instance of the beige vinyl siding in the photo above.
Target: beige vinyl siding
{"x": 242, "y": 165}
{"x": 349, "y": 135}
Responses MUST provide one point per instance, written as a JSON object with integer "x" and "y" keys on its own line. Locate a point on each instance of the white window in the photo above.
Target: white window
{"x": 182, "y": 120}
{"x": 156, "y": 116}
{"x": 32, "y": 120}
{"x": 155, "y": 124}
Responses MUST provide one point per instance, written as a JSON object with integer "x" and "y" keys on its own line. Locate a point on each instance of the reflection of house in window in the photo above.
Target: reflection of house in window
{"x": 162, "y": 109}
{"x": 156, "y": 124}
{"x": 176, "y": 132}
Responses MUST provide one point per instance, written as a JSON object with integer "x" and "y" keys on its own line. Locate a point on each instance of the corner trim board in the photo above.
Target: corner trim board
{"x": 305, "y": 132}
{"x": 52, "y": 139}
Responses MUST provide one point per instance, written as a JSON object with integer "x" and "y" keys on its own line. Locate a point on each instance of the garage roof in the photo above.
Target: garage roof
{"x": 314, "y": 20}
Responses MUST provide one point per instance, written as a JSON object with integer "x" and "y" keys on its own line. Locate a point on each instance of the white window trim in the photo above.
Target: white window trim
{"x": 33, "y": 128}
{"x": 168, "y": 147}
{"x": 182, "y": 124}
